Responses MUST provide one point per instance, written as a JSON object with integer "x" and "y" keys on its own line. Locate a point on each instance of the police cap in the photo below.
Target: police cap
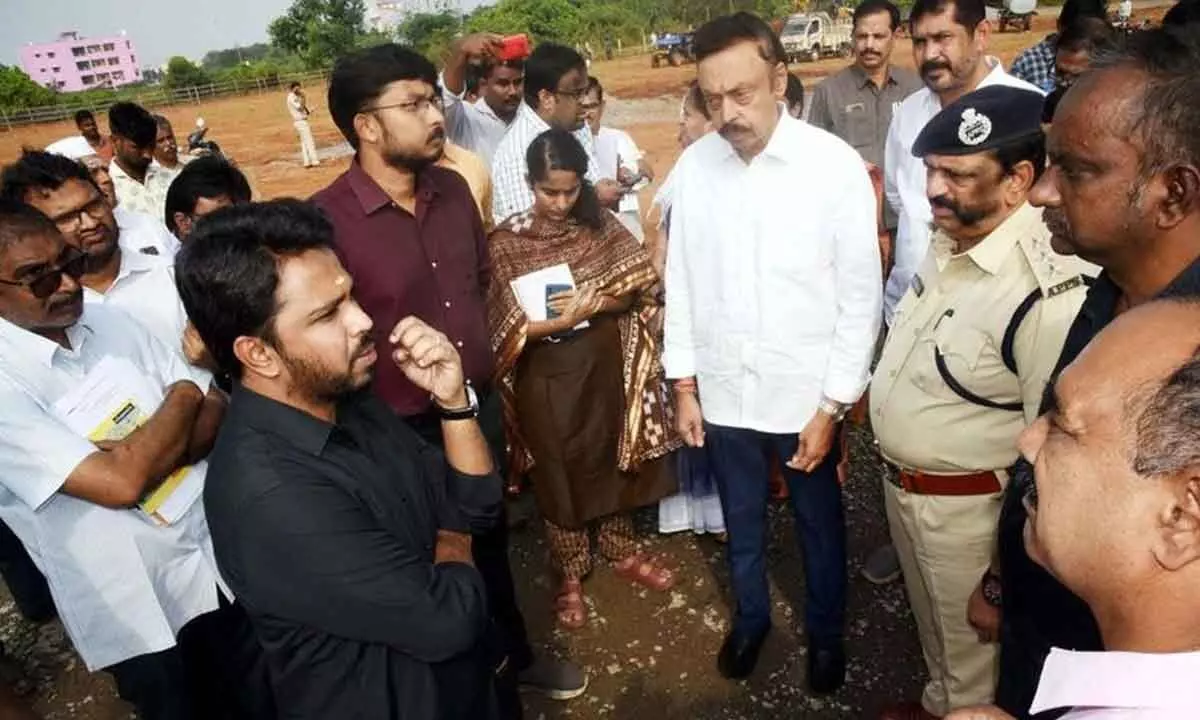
{"x": 986, "y": 119}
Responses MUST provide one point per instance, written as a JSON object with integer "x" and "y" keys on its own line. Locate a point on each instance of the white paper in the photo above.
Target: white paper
{"x": 114, "y": 400}
{"x": 531, "y": 290}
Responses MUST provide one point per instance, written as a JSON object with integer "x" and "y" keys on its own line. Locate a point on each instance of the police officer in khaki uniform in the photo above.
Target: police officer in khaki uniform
{"x": 962, "y": 372}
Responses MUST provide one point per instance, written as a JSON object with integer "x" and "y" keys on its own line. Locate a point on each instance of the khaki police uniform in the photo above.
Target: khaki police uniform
{"x": 962, "y": 373}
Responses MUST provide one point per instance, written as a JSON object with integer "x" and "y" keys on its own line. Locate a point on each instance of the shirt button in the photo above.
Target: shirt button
{"x": 434, "y": 264}
{"x": 459, "y": 343}
{"x": 447, "y": 303}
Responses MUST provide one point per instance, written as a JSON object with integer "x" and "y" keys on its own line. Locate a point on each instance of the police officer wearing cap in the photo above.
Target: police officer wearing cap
{"x": 962, "y": 372}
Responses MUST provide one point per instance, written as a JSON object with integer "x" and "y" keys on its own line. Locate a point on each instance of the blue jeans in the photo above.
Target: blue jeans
{"x": 740, "y": 460}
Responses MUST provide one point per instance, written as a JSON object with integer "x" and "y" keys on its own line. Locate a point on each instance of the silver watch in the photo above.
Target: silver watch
{"x": 835, "y": 410}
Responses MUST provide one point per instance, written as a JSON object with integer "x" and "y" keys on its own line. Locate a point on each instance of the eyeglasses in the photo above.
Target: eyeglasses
{"x": 416, "y": 107}
{"x": 44, "y": 284}
{"x": 68, "y": 223}
{"x": 574, "y": 94}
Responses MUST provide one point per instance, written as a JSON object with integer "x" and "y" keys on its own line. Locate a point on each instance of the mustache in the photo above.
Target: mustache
{"x": 1056, "y": 222}
{"x": 964, "y": 215}
{"x": 438, "y": 133}
{"x": 930, "y": 65}
{"x": 71, "y": 298}
{"x": 729, "y": 129}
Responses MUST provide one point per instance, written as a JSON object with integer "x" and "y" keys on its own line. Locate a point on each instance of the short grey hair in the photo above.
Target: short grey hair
{"x": 1168, "y": 427}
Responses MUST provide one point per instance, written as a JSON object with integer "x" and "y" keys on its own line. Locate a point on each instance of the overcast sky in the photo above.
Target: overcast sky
{"x": 158, "y": 28}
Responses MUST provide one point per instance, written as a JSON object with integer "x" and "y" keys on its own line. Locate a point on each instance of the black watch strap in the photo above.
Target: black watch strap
{"x": 993, "y": 590}
{"x": 470, "y": 412}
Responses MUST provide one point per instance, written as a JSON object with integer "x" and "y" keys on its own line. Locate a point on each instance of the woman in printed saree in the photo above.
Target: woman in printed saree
{"x": 586, "y": 404}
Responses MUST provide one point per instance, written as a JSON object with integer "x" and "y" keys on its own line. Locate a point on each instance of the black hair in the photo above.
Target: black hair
{"x": 1184, "y": 12}
{"x": 162, "y": 121}
{"x": 967, "y": 13}
{"x": 488, "y": 65}
{"x": 795, "y": 92}
{"x": 205, "y": 177}
{"x": 81, "y": 115}
{"x": 873, "y": 7}
{"x": 1075, "y": 9}
{"x": 1030, "y": 149}
{"x": 1165, "y": 117}
{"x": 595, "y": 86}
{"x": 545, "y": 68}
{"x": 1086, "y": 33}
{"x": 728, "y": 30}
{"x": 132, "y": 122}
{"x": 40, "y": 170}
{"x": 695, "y": 98}
{"x": 293, "y": 85}
{"x": 19, "y": 220}
{"x": 557, "y": 149}
{"x": 228, "y": 272}
{"x": 358, "y": 79}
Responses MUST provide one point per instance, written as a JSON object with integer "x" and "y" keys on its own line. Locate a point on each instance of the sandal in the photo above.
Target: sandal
{"x": 569, "y": 608}
{"x": 644, "y": 570}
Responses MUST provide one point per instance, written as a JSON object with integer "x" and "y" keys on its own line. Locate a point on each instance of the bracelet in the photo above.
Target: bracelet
{"x": 992, "y": 588}
{"x": 686, "y": 385}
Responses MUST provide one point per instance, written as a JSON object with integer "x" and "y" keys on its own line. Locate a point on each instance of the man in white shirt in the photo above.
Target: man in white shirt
{"x": 297, "y": 106}
{"x": 950, "y": 42}
{"x": 619, "y": 159}
{"x": 770, "y": 325}
{"x": 139, "y": 185}
{"x": 479, "y": 126}
{"x": 555, "y": 83}
{"x": 138, "y": 598}
{"x": 1114, "y": 514}
{"x": 166, "y": 149}
{"x": 117, "y": 272}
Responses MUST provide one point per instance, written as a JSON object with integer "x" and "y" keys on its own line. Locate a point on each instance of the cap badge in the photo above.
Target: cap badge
{"x": 974, "y": 128}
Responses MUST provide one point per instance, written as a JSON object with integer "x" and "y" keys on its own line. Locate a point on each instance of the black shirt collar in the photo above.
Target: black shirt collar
{"x": 260, "y": 412}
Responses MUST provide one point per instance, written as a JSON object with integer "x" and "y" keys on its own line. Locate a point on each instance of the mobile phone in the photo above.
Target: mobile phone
{"x": 514, "y": 47}
{"x": 553, "y": 289}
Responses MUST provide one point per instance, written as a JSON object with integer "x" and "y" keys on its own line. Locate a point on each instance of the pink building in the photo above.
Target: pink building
{"x": 73, "y": 63}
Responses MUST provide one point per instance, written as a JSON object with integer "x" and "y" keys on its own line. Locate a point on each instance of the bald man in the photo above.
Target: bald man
{"x": 1115, "y": 516}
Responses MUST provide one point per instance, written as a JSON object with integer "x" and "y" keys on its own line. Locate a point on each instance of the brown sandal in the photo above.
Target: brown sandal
{"x": 569, "y": 608}
{"x": 647, "y": 571}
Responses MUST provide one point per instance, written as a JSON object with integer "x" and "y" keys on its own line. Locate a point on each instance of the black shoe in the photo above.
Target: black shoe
{"x": 739, "y": 654}
{"x": 826, "y": 667}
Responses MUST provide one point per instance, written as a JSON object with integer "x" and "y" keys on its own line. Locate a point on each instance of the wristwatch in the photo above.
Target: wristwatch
{"x": 992, "y": 589}
{"x": 835, "y": 410}
{"x": 470, "y": 412}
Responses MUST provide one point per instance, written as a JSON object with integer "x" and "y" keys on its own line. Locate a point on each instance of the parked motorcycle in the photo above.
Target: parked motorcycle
{"x": 198, "y": 143}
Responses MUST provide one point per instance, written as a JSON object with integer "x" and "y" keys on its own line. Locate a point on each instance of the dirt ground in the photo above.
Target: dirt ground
{"x": 647, "y": 655}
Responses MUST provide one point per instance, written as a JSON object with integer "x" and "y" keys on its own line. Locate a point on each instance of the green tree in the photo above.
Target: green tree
{"x": 18, "y": 90}
{"x": 430, "y": 33}
{"x": 182, "y": 72}
{"x": 319, "y": 31}
{"x": 232, "y": 57}
{"x": 552, "y": 20}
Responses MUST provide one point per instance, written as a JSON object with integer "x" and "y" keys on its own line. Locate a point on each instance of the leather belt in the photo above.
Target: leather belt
{"x": 977, "y": 483}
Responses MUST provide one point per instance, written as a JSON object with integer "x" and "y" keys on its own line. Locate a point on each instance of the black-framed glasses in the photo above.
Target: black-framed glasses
{"x": 416, "y": 107}
{"x": 575, "y": 94}
{"x": 68, "y": 223}
{"x": 45, "y": 283}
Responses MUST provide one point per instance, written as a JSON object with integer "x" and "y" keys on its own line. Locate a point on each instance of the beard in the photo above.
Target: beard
{"x": 98, "y": 255}
{"x": 434, "y": 148}
{"x": 310, "y": 379}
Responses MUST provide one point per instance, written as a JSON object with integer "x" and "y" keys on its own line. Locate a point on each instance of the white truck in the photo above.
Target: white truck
{"x": 812, "y": 36}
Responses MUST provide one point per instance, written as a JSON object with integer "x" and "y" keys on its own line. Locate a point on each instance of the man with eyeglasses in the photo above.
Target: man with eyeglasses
{"x": 139, "y": 597}
{"x": 409, "y": 234}
{"x": 556, "y": 81}
{"x": 141, "y": 284}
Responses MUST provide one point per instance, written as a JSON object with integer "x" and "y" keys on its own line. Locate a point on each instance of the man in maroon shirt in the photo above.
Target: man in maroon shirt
{"x": 410, "y": 236}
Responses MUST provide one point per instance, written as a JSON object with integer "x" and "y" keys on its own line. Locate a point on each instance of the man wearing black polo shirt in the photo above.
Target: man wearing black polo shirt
{"x": 410, "y": 235}
{"x": 346, "y": 536}
{"x": 1122, "y": 191}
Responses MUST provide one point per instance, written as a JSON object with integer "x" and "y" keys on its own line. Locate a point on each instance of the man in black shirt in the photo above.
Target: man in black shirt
{"x": 346, "y": 536}
{"x": 1122, "y": 191}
